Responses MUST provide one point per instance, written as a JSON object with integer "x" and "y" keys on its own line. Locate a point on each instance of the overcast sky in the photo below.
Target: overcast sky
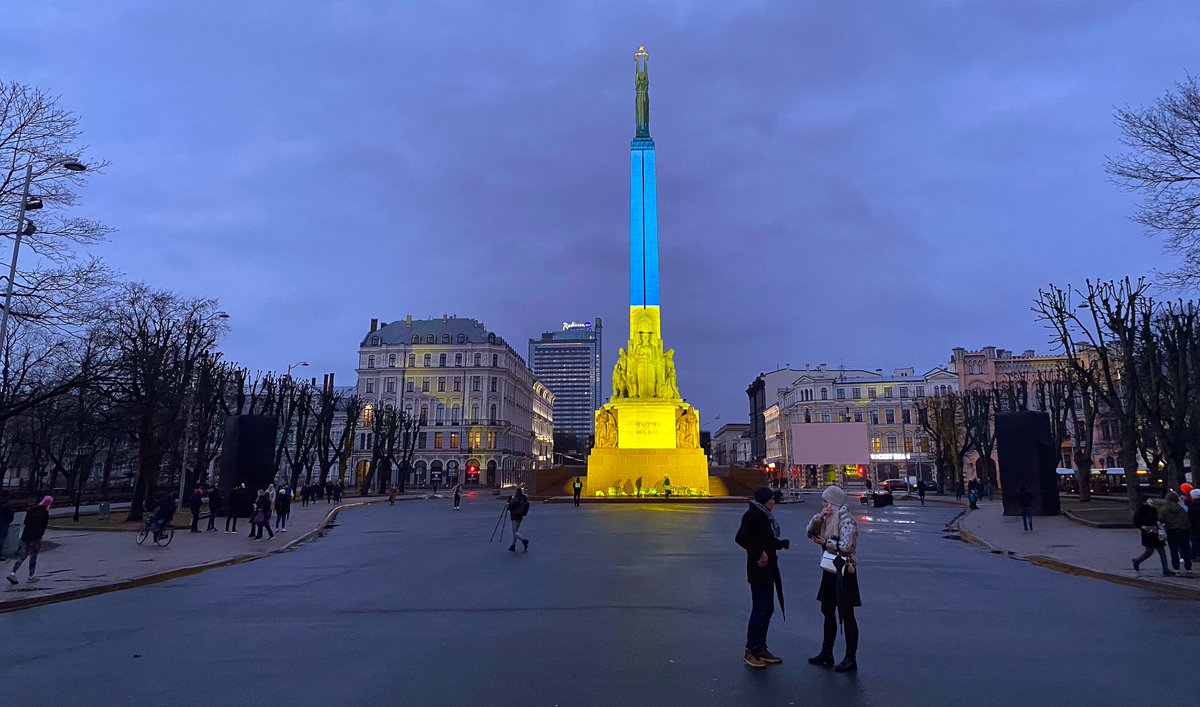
{"x": 867, "y": 184}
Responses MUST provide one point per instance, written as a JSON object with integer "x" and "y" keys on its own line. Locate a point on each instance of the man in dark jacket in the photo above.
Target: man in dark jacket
{"x": 6, "y": 518}
{"x": 518, "y": 508}
{"x": 214, "y": 505}
{"x": 36, "y": 520}
{"x": 921, "y": 489}
{"x": 759, "y": 537}
{"x": 1025, "y": 503}
{"x": 194, "y": 503}
{"x": 577, "y": 489}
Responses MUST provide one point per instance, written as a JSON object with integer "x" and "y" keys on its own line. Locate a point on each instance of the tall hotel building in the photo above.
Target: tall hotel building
{"x": 568, "y": 363}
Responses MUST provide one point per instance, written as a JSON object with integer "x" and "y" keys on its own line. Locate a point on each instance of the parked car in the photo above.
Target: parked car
{"x": 894, "y": 485}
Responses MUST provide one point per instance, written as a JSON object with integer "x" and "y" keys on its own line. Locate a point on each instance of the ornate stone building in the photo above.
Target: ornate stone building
{"x": 485, "y": 416}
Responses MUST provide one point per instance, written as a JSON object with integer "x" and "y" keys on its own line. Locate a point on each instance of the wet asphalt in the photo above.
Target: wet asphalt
{"x": 612, "y": 605}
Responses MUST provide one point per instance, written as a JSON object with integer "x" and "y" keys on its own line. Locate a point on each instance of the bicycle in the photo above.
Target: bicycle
{"x": 162, "y": 536}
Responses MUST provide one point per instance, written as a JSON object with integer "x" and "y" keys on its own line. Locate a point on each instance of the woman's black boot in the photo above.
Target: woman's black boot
{"x": 848, "y": 665}
{"x": 824, "y": 658}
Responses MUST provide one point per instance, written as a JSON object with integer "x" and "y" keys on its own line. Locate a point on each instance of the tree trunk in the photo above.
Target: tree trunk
{"x": 1128, "y": 457}
{"x": 108, "y": 466}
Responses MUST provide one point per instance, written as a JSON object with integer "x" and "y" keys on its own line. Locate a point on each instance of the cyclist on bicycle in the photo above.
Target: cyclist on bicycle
{"x": 163, "y": 514}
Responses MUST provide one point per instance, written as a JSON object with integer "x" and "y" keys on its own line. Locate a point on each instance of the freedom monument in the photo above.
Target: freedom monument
{"x": 647, "y": 437}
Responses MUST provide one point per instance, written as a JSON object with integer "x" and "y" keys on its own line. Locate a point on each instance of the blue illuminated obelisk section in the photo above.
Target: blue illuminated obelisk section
{"x": 643, "y": 199}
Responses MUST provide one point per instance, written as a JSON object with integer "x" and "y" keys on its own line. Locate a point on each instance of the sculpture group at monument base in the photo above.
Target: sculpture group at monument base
{"x": 647, "y": 473}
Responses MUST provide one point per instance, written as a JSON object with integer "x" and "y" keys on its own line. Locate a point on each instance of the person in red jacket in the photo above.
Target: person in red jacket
{"x": 36, "y": 520}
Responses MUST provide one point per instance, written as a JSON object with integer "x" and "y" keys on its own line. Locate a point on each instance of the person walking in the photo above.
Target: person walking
{"x": 958, "y": 490}
{"x": 577, "y": 490}
{"x": 1146, "y": 521}
{"x": 36, "y": 520}
{"x": 1179, "y": 531}
{"x": 667, "y": 487}
{"x": 758, "y": 535}
{"x": 392, "y": 495}
{"x": 834, "y": 530}
{"x": 518, "y": 508}
{"x": 1025, "y": 503}
{"x": 435, "y": 485}
{"x": 195, "y": 502}
{"x": 6, "y": 518}
{"x": 457, "y": 495}
{"x": 283, "y": 508}
{"x": 921, "y": 489}
{"x": 214, "y": 505}
{"x": 237, "y": 496}
{"x": 973, "y": 494}
{"x": 1194, "y": 521}
{"x": 262, "y": 517}
{"x": 338, "y": 488}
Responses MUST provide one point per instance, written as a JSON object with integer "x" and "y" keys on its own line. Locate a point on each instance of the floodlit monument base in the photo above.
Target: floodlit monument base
{"x": 648, "y": 459}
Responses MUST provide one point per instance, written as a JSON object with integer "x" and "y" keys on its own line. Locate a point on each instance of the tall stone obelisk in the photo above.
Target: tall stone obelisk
{"x": 647, "y": 437}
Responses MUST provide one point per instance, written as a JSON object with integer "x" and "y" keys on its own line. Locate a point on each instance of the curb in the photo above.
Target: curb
{"x": 1065, "y": 568}
{"x": 165, "y": 576}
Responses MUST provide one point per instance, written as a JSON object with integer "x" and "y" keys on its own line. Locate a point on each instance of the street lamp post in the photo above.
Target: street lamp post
{"x": 26, "y": 204}
{"x": 298, "y": 364}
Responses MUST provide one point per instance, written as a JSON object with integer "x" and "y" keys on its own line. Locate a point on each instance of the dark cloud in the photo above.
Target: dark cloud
{"x": 867, "y": 184}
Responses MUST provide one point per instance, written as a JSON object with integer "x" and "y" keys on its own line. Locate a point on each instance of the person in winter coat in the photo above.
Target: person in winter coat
{"x": 457, "y": 495}
{"x": 922, "y": 487}
{"x": 518, "y": 508}
{"x": 262, "y": 517}
{"x": 283, "y": 508}
{"x": 834, "y": 530}
{"x": 214, "y": 505}
{"x": 577, "y": 489}
{"x": 392, "y": 495}
{"x": 36, "y": 520}
{"x": 6, "y": 518}
{"x": 164, "y": 514}
{"x": 194, "y": 503}
{"x": 1146, "y": 521}
{"x": 237, "y": 496}
{"x": 1179, "y": 531}
{"x": 1025, "y": 503}
{"x": 758, "y": 535}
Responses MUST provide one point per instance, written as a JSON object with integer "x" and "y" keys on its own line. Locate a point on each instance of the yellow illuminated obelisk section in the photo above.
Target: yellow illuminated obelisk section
{"x": 647, "y": 437}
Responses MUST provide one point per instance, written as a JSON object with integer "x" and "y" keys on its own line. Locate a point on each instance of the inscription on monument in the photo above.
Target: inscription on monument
{"x": 652, "y": 427}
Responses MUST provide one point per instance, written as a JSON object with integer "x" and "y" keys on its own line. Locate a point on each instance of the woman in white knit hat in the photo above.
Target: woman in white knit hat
{"x": 836, "y": 532}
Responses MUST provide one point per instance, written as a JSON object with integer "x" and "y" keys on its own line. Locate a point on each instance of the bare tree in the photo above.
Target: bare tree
{"x": 940, "y": 417}
{"x": 1163, "y": 165}
{"x": 1167, "y": 337}
{"x": 1054, "y": 395}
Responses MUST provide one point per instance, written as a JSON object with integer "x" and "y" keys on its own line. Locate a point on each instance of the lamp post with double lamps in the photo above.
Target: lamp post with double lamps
{"x": 26, "y": 228}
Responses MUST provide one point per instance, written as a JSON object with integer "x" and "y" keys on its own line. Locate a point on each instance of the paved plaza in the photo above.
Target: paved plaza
{"x": 612, "y": 605}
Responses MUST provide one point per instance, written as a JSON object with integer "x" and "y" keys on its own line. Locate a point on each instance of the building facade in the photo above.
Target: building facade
{"x": 484, "y": 414}
{"x": 569, "y": 363}
{"x": 731, "y": 445}
{"x": 765, "y": 391}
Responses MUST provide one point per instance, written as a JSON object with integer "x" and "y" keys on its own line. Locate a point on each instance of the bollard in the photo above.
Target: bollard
{"x": 102, "y": 512}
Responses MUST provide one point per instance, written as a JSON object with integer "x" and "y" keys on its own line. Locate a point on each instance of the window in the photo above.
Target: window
{"x": 841, "y": 393}
{"x": 492, "y": 416}
{"x": 476, "y": 440}
{"x": 824, "y": 394}
{"x": 475, "y": 414}
{"x": 445, "y": 338}
{"x": 807, "y": 415}
{"x": 874, "y": 416}
{"x": 458, "y": 385}
{"x": 891, "y": 443}
{"x": 370, "y": 361}
{"x": 391, "y": 360}
{"x": 457, "y": 359}
{"x": 442, "y": 360}
{"x": 427, "y": 361}
{"x": 454, "y": 440}
{"x": 370, "y": 385}
{"x": 410, "y": 386}
{"x": 442, "y": 384}
{"x": 424, "y": 414}
{"x": 462, "y": 338}
{"x": 374, "y": 341}
{"x": 477, "y": 359}
{"x": 439, "y": 414}
{"x": 423, "y": 440}
{"x": 904, "y": 391}
{"x": 416, "y": 338}
{"x": 908, "y": 445}
{"x": 491, "y": 440}
{"x": 412, "y": 360}
{"x": 454, "y": 414}
{"x": 871, "y": 393}
{"x": 887, "y": 391}
{"x": 362, "y": 440}
{"x": 906, "y": 417}
{"x": 493, "y": 384}
{"x": 858, "y": 415}
{"x": 475, "y": 383}
{"x": 437, "y": 440}
{"x": 370, "y": 440}
{"x": 430, "y": 339}
{"x": 925, "y": 445}
{"x": 856, "y": 393}
{"x": 825, "y": 415}
{"x": 391, "y": 385}
{"x": 424, "y": 385}
{"x": 495, "y": 360}
{"x": 875, "y": 444}
{"x": 920, "y": 392}
{"x": 889, "y": 416}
